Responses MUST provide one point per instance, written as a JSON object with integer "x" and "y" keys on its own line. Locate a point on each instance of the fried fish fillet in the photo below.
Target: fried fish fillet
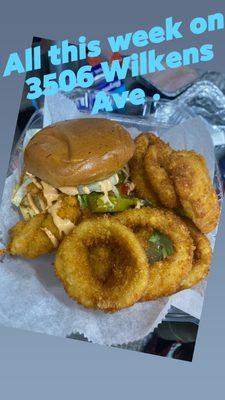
{"x": 39, "y": 235}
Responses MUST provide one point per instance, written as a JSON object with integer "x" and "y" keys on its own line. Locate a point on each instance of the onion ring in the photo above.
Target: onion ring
{"x": 137, "y": 170}
{"x": 156, "y": 166}
{"x": 194, "y": 188}
{"x": 128, "y": 277}
{"x": 165, "y": 276}
{"x": 201, "y": 259}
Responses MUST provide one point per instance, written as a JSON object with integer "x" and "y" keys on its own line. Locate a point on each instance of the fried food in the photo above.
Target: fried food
{"x": 137, "y": 170}
{"x": 176, "y": 179}
{"x": 40, "y": 235}
{"x": 28, "y": 238}
{"x": 201, "y": 258}
{"x": 194, "y": 188}
{"x": 165, "y": 276}
{"x": 156, "y": 162}
{"x": 2, "y": 252}
{"x": 100, "y": 258}
{"x": 128, "y": 267}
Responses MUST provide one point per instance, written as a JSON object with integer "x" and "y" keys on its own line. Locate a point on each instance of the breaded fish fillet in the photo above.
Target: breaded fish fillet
{"x": 39, "y": 235}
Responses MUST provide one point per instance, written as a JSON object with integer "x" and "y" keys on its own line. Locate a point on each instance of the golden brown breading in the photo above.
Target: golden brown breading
{"x": 101, "y": 258}
{"x": 137, "y": 170}
{"x": 165, "y": 276}
{"x": 28, "y": 238}
{"x": 194, "y": 188}
{"x": 3, "y": 252}
{"x": 201, "y": 259}
{"x": 156, "y": 166}
{"x": 129, "y": 272}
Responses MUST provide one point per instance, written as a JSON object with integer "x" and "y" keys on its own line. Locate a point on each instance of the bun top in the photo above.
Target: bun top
{"x": 77, "y": 152}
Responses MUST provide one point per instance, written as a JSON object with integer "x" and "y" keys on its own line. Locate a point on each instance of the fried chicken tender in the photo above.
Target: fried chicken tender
{"x": 194, "y": 188}
{"x": 201, "y": 258}
{"x": 32, "y": 238}
{"x": 165, "y": 276}
{"x": 137, "y": 170}
{"x": 127, "y": 265}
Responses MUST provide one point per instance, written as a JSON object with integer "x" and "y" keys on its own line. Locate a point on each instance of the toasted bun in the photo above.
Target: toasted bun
{"x": 76, "y": 152}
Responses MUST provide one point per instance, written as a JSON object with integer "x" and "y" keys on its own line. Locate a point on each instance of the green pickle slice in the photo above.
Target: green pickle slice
{"x": 95, "y": 202}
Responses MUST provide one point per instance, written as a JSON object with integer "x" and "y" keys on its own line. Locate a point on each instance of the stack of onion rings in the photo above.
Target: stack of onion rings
{"x": 165, "y": 276}
{"x": 175, "y": 179}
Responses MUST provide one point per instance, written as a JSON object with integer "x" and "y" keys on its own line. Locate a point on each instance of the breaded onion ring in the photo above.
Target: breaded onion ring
{"x": 129, "y": 273}
{"x": 165, "y": 276}
{"x": 201, "y": 258}
{"x": 137, "y": 170}
{"x": 194, "y": 188}
{"x": 156, "y": 166}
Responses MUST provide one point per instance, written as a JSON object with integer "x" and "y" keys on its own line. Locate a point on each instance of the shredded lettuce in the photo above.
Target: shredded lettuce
{"x": 21, "y": 192}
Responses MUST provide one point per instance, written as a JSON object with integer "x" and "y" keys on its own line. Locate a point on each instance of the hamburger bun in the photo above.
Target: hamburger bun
{"x": 78, "y": 152}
